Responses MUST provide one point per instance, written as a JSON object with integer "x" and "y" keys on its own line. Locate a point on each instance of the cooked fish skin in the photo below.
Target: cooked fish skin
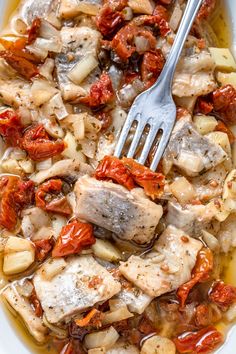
{"x": 191, "y": 218}
{"x": 191, "y": 152}
{"x": 74, "y": 290}
{"x": 77, "y": 43}
{"x": 128, "y": 214}
{"x": 168, "y": 267}
{"x": 22, "y": 306}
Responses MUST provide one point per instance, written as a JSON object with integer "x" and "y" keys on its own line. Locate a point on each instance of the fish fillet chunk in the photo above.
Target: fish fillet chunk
{"x": 191, "y": 152}
{"x": 74, "y": 290}
{"x": 166, "y": 268}
{"x": 128, "y": 214}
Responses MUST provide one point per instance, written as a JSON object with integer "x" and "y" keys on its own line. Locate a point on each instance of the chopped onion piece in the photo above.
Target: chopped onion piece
{"x": 230, "y": 315}
{"x": 142, "y": 44}
{"x": 24, "y": 287}
{"x": 58, "y": 222}
{"x": 58, "y": 332}
{"x": 72, "y": 151}
{"x": 52, "y": 267}
{"x": 127, "y": 13}
{"x": 205, "y": 124}
{"x": 106, "y": 338}
{"x": 105, "y": 250}
{"x": 210, "y": 240}
{"x": 47, "y": 68}
{"x": 118, "y": 315}
{"x": 56, "y": 107}
{"x": 44, "y": 165}
{"x": 183, "y": 190}
{"x": 82, "y": 69}
{"x": 175, "y": 17}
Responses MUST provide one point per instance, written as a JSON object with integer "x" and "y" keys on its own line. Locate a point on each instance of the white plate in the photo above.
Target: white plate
{"x": 10, "y": 343}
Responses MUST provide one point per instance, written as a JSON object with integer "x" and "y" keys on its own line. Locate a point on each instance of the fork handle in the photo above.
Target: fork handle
{"x": 181, "y": 36}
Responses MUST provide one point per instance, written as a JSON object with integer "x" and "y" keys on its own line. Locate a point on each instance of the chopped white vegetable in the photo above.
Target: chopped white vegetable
{"x": 120, "y": 314}
{"x": 223, "y": 58}
{"x": 211, "y": 241}
{"x": 106, "y": 338}
{"x": 97, "y": 351}
{"x": 105, "y": 250}
{"x": 205, "y": 124}
{"x": 52, "y": 267}
{"x": 19, "y": 254}
{"x": 142, "y": 7}
{"x": 183, "y": 190}
{"x": 220, "y": 139}
{"x": 226, "y": 79}
{"x": 158, "y": 345}
{"x": 82, "y": 69}
{"x": 42, "y": 91}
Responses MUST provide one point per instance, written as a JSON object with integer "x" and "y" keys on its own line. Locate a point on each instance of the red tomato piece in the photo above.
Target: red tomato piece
{"x": 224, "y": 102}
{"x": 48, "y": 197}
{"x": 8, "y": 209}
{"x": 24, "y": 195}
{"x": 11, "y": 127}
{"x": 200, "y": 273}
{"x": 152, "y": 66}
{"x": 36, "y": 304}
{"x": 108, "y": 20}
{"x": 101, "y": 92}
{"x": 73, "y": 238}
{"x": 43, "y": 248}
{"x": 152, "y": 182}
{"x": 113, "y": 168}
{"x": 204, "y": 106}
{"x": 34, "y": 30}
{"x": 23, "y": 66}
{"x": 222, "y": 294}
{"x": 38, "y": 145}
{"x": 206, "y": 9}
{"x": 123, "y": 42}
{"x": 203, "y": 341}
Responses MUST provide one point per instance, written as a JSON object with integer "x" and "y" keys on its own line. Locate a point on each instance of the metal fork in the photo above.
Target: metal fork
{"x": 155, "y": 107}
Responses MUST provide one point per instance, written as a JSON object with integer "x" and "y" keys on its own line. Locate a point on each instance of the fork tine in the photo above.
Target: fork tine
{"x": 160, "y": 150}
{"x": 148, "y": 143}
{"x": 136, "y": 139}
{"x": 123, "y": 135}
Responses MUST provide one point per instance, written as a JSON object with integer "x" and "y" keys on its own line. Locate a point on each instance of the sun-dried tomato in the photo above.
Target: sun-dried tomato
{"x": 222, "y": 127}
{"x": 203, "y": 341}
{"x": 161, "y": 17}
{"x": 101, "y": 92}
{"x": 204, "y": 106}
{"x": 203, "y": 316}
{"x": 43, "y": 248}
{"x": 8, "y": 208}
{"x": 200, "y": 273}
{"x": 34, "y": 30}
{"x": 38, "y": 145}
{"x": 222, "y": 294}
{"x": 224, "y": 102}
{"x": 73, "y": 238}
{"x": 128, "y": 172}
{"x": 18, "y": 48}
{"x": 24, "y": 194}
{"x": 123, "y": 42}
{"x": 93, "y": 318}
{"x": 108, "y": 20}
{"x": 206, "y": 9}
{"x": 49, "y": 197}
{"x": 165, "y": 2}
{"x": 161, "y": 12}
{"x": 151, "y": 67}
{"x": 117, "y": 5}
{"x": 36, "y": 304}
{"x": 11, "y": 128}
{"x": 113, "y": 168}
{"x": 23, "y": 66}
{"x": 146, "y": 326}
{"x": 152, "y": 182}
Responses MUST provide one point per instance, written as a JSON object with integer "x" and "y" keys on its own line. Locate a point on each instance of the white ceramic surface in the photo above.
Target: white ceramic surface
{"x": 10, "y": 342}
